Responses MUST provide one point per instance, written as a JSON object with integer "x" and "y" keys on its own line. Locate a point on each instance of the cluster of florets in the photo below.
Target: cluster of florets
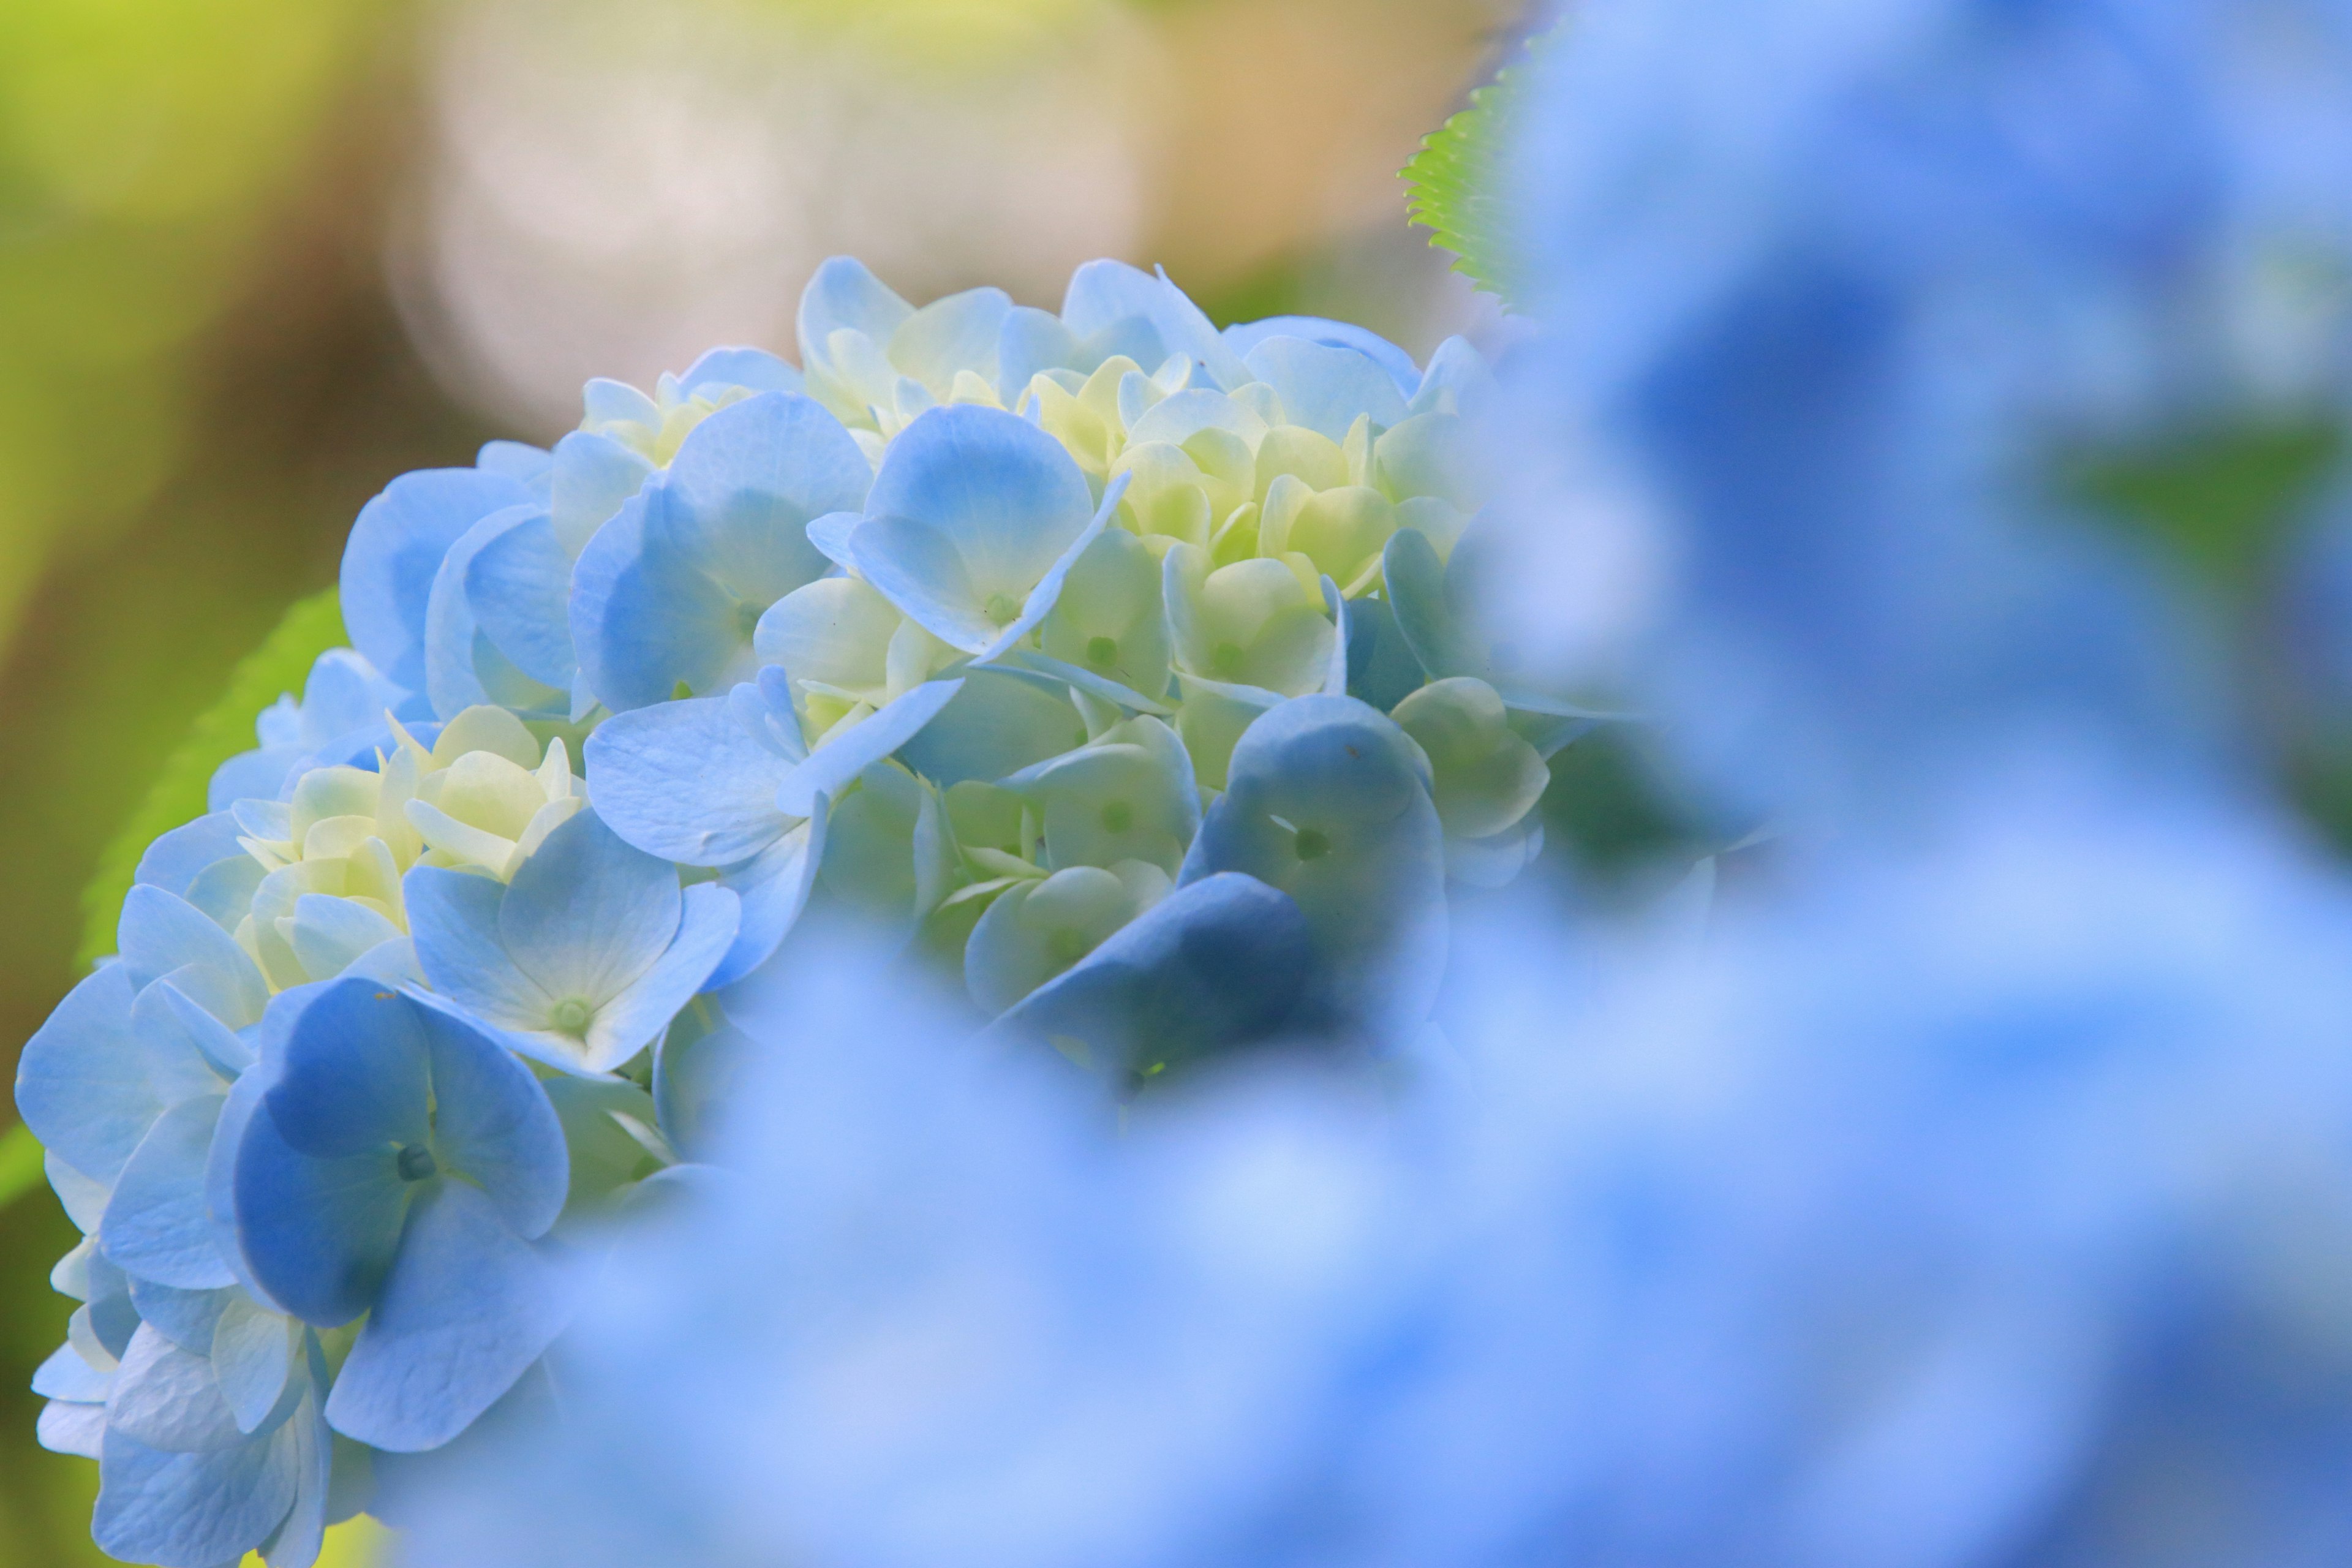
{"x": 1118, "y": 664}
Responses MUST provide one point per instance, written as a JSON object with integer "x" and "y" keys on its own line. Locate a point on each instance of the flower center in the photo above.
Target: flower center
{"x": 1117, "y": 817}
{"x": 747, "y": 618}
{"x": 1066, "y": 946}
{"x": 1226, "y": 658}
{"x": 415, "y": 1162}
{"x": 1101, "y": 652}
{"x": 1002, "y": 609}
{"x": 570, "y": 1015}
{"x": 1311, "y": 845}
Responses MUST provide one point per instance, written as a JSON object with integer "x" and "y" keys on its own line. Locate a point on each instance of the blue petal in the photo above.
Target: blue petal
{"x": 745, "y": 485}
{"x": 1104, "y": 295}
{"x": 718, "y": 369}
{"x": 594, "y": 477}
{"x": 453, "y": 919}
{"x": 644, "y": 618}
{"x": 516, "y": 460}
{"x": 493, "y": 1123}
{"x": 832, "y": 766}
{"x": 317, "y": 1235}
{"x": 774, "y": 888}
{"x": 463, "y": 667}
{"x": 468, "y": 1307}
{"x": 1372, "y": 887}
{"x": 174, "y": 860}
{"x": 297, "y": 1541}
{"x": 1326, "y": 388}
{"x": 1001, "y": 494}
{"x": 587, "y": 914}
{"x": 166, "y": 1398}
{"x": 191, "y": 1510}
{"x": 394, "y": 551}
{"x": 160, "y": 932}
{"x": 252, "y": 1352}
{"x": 519, "y": 584}
{"x": 156, "y": 1226}
{"x": 919, "y": 569}
{"x": 81, "y": 1083}
{"x": 1043, "y": 597}
{"x": 1029, "y": 341}
{"x": 352, "y": 1077}
{"x": 1219, "y": 964}
{"x": 329, "y": 933}
{"x": 843, "y": 294}
{"x": 66, "y": 1375}
{"x": 959, "y": 332}
{"x": 697, "y": 1075}
{"x": 628, "y": 1022}
{"x": 1242, "y": 338}
{"x": 186, "y": 1317}
{"x": 683, "y": 781}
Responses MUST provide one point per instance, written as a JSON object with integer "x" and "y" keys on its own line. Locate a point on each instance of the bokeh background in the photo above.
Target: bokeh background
{"x": 257, "y": 257}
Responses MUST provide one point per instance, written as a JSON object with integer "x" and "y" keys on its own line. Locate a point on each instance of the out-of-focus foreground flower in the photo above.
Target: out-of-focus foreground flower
{"x": 1971, "y": 1193}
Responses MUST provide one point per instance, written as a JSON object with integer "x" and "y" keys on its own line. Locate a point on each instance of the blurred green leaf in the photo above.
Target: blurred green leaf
{"x": 278, "y": 666}
{"x": 1453, "y": 184}
{"x": 20, "y": 1164}
{"x": 2220, "y": 500}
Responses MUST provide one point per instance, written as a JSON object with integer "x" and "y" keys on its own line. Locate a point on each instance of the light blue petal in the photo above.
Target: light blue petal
{"x": 919, "y": 569}
{"x": 71, "y": 1428}
{"x": 593, "y": 477}
{"x": 1242, "y": 338}
{"x": 395, "y": 552}
{"x": 774, "y": 888}
{"x": 156, "y": 1226}
{"x": 1029, "y": 341}
{"x": 453, "y": 919}
{"x": 843, "y": 294}
{"x": 1335, "y": 678}
{"x": 518, "y": 585}
{"x": 629, "y": 1022}
{"x": 331, "y": 934}
{"x": 351, "y": 1077}
{"x": 1218, "y": 965}
{"x": 317, "y": 1235}
{"x": 81, "y": 1082}
{"x": 960, "y": 332}
{"x": 492, "y": 1122}
{"x": 224, "y": 890}
{"x": 1457, "y": 374}
{"x": 166, "y": 1398}
{"x": 516, "y": 460}
{"x": 643, "y": 619}
{"x": 65, "y": 1375}
{"x": 458, "y": 675}
{"x": 159, "y": 934}
{"x": 608, "y": 402}
{"x": 697, "y": 1075}
{"x": 1326, "y": 388}
{"x": 686, "y": 781}
{"x": 587, "y": 914}
{"x": 1002, "y": 722}
{"x": 1177, "y": 418}
{"x": 718, "y": 369}
{"x": 1085, "y": 680}
{"x": 191, "y": 1510}
{"x": 1381, "y": 667}
{"x": 830, "y": 534}
{"x": 252, "y": 1351}
{"x": 1106, "y": 295}
{"x": 1003, "y": 493}
{"x": 219, "y": 1052}
{"x": 1048, "y": 591}
{"x": 297, "y": 1541}
{"x": 745, "y": 485}
{"x": 468, "y": 1307}
{"x": 186, "y": 1317}
{"x": 173, "y": 861}
{"x": 832, "y": 766}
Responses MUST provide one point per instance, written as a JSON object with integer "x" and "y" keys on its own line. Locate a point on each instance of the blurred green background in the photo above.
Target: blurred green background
{"x": 257, "y": 257}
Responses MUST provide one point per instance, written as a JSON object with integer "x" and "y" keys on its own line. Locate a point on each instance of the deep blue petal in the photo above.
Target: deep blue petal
{"x": 317, "y": 1235}
{"x": 155, "y": 1226}
{"x": 520, "y": 586}
{"x": 586, "y": 913}
{"x": 354, "y": 1075}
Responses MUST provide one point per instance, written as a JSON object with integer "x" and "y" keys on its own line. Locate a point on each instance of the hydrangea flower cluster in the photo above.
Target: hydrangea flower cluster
{"x": 1117, "y": 664}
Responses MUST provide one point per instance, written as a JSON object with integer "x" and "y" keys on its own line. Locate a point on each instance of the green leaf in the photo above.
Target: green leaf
{"x": 278, "y": 666}
{"x": 20, "y": 1164}
{"x": 1454, "y": 183}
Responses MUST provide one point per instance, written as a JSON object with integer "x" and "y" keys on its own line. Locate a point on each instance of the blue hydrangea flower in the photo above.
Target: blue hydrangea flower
{"x": 391, "y": 1160}
{"x": 584, "y": 957}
